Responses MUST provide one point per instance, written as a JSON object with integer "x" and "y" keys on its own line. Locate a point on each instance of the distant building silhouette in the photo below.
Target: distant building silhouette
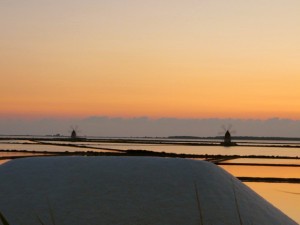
{"x": 73, "y": 134}
{"x": 227, "y": 138}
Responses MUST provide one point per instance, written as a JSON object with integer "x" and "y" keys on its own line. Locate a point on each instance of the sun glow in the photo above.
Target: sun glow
{"x": 174, "y": 59}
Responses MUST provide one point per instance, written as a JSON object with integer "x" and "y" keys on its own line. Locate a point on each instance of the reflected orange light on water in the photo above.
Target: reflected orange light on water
{"x": 285, "y": 197}
{"x": 4, "y": 161}
{"x": 263, "y": 171}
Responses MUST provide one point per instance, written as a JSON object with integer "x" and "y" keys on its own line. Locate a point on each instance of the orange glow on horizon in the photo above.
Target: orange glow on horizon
{"x": 160, "y": 59}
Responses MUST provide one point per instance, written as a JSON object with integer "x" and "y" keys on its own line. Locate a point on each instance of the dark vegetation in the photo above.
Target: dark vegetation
{"x": 240, "y": 138}
{"x": 213, "y": 158}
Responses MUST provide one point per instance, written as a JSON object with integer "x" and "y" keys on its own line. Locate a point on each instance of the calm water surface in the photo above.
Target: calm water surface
{"x": 211, "y": 150}
{"x": 186, "y": 149}
{"x": 285, "y": 197}
{"x": 265, "y": 161}
{"x": 42, "y": 147}
{"x": 263, "y": 171}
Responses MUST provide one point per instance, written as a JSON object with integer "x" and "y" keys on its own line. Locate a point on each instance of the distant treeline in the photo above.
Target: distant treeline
{"x": 240, "y": 138}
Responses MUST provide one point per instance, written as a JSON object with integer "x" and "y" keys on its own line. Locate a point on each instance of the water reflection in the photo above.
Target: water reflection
{"x": 2, "y": 161}
{"x": 169, "y": 148}
{"x": 213, "y": 150}
{"x": 263, "y": 171}
{"x": 284, "y": 196}
{"x": 42, "y": 147}
{"x": 281, "y": 196}
{"x": 21, "y": 154}
{"x": 265, "y": 161}
{"x": 16, "y": 142}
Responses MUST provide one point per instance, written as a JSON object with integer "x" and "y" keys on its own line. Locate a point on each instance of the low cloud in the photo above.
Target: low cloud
{"x": 143, "y": 126}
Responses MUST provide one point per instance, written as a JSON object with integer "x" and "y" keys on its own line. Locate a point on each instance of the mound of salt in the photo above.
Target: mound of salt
{"x": 128, "y": 191}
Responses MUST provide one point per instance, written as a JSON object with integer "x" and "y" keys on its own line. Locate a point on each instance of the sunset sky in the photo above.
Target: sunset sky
{"x": 159, "y": 58}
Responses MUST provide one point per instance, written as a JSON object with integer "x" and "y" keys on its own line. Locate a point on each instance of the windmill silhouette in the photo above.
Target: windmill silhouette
{"x": 74, "y": 132}
{"x": 227, "y": 131}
